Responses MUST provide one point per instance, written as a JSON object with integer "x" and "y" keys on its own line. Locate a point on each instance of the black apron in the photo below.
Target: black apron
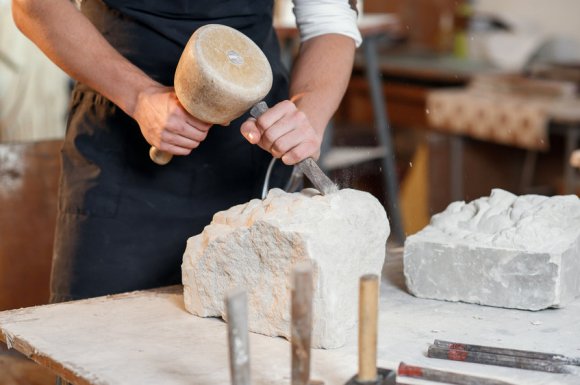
{"x": 123, "y": 221}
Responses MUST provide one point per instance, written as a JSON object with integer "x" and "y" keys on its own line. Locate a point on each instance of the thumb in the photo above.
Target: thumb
{"x": 250, "y": 131}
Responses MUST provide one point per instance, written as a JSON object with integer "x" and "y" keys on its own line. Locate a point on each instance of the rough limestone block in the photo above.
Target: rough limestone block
{"x": 505, "y": 250}
{"x": 255, "y": 245}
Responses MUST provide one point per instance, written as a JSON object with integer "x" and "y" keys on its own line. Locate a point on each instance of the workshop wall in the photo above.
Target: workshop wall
{"x": 34, "y": 92}
{"x": 557, "y": 18}
{"x": 28, "y": 184}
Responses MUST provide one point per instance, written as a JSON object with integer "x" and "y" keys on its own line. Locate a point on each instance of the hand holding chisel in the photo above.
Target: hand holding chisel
{"x": 308, "y": 166}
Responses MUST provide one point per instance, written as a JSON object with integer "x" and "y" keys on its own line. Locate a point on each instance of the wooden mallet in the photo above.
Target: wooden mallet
{"x": 220, "y": 75}
{"x": 368, "y": 373}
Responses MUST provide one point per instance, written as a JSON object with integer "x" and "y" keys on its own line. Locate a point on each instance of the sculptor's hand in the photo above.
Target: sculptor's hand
{"x": 165, "y": 124}
{"x": 285, "y": 132}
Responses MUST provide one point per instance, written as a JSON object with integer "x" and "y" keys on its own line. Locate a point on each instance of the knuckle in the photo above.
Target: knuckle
{"x": 275, "y": 149}
{"x": 303, "y": 152}
{"x": 299, "y": 153}
{"x": 269, "y": 137}
{"x": 163, "y": 146}
{"x": 280, "y": 146}
{"x": 311, "y": 148}
{"x": 288, "y": 105}
{"x": 178, "y": 129}
{"x": 290, "y": 158}
{"x": 315, "y": 142}
{"x": 300, "y": 116}
{"x": 262, "y": 123}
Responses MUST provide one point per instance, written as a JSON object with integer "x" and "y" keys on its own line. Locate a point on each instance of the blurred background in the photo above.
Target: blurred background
{"x": 448, "y": 99}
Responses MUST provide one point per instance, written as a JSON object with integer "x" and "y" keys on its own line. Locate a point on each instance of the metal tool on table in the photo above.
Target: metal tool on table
{"x": 308, "y": 166}
{"x": 487, "y": 355}
{"x": 239, "y": 348}
{"x": 368, "y": 373}
{"x": 221, "y": 74}
{"x": 301, "y": 325}
{"x": 435, "y": 375}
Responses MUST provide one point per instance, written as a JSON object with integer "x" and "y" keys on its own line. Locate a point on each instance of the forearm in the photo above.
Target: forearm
{"x": 74, "y": 44}
{"x": 320, "y": 77}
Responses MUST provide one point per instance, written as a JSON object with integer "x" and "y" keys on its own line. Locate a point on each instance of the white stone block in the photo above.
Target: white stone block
{"x": 255, "y": 245}
{"x": 505, "y": 250}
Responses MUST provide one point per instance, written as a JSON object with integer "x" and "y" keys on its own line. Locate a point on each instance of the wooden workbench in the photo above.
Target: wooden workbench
{"x": 148, "y": 338}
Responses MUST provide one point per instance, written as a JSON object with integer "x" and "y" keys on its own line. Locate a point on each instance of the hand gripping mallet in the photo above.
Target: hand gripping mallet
{"x": 368, "y": 373}
{"x": 220, "y": 75}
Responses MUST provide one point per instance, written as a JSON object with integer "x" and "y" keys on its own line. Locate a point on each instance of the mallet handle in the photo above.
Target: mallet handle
{"x": 237, "y": 318}
{"x": 367, "y": 328}
{"x": 159, "y": 157}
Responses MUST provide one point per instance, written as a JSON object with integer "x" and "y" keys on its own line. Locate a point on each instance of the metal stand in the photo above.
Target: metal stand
{"x": 384, "y": 135}
{"x": 372, "y": 29}
{"x": 570, "y": 173}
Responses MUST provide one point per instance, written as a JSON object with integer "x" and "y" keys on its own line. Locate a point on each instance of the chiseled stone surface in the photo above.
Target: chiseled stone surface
{"x": 255, "y": 245}
{"x": 504, "y": 250}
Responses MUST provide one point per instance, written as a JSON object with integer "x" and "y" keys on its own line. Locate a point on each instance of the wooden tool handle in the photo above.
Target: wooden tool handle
{"x": 301, "y": 329}
{"x": 367, "y": 328}
{"x": 159, "y": 157}
{"x": 237, "y": 318}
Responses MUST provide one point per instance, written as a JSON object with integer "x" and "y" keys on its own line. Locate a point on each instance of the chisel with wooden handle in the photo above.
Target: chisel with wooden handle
{"x": 237, "y": 318}
{"x": 301, "y": 324}
{"x": 368, "y": 304}
{"x": 486, "y": 355}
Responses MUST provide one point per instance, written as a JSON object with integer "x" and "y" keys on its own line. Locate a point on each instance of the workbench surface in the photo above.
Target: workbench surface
{"x": 148, "y": 338}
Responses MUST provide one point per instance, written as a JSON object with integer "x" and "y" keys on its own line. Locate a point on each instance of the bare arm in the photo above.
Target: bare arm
{"x": 74, "y": 44}
{"x": 321, "y": 74}
{"x": 294, "y": 131}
